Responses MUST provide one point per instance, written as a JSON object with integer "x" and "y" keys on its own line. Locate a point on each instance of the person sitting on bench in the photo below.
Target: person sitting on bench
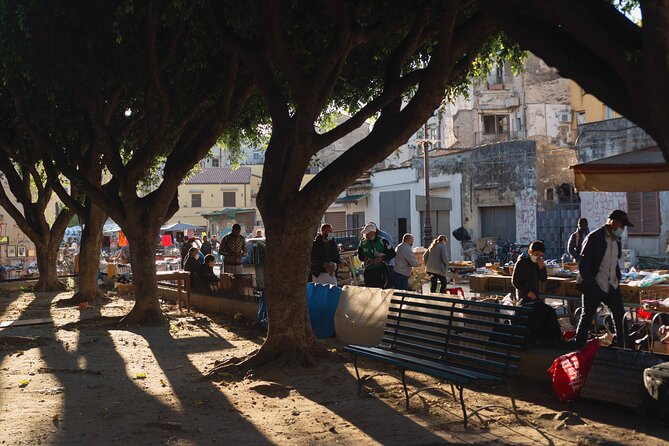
{"x": 191, "y": 263}
{"x": 205, "y": 274}
{"x": 528, "y": 272}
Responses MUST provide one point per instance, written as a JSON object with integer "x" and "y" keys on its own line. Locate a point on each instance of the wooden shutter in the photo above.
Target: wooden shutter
{"x": 229, "y": 199}
{"x": 336, "y": 219}
{"x": 644, "y": 213}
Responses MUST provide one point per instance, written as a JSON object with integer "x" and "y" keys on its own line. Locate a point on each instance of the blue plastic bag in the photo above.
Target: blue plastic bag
{"x": 322, "y": 301}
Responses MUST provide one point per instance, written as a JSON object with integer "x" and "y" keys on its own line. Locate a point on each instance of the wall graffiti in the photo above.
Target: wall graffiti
{"x": 596, "y": 206}
{"x": 526, "y": 217}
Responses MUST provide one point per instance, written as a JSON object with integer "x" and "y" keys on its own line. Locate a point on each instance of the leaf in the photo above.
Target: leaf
{"x": 24, "y": 382}
{"x": 163, "y": 383}
{"x": 141, "y": 375}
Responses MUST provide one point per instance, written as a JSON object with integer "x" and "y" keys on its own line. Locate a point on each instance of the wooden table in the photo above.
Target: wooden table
{"x": 179, "y": 276}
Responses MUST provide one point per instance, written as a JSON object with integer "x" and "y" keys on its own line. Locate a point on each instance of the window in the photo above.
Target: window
{"x": 229, "y": 199}
{"x": 580, "y": 117}
{"x": 215, "y": 162}
{"x": 195, "y": 200}
{"x": 608, "y": 112}
{"x": 495, "y": 124}
{"x": 496, "y": 75}
{"x": 644, "y": 213}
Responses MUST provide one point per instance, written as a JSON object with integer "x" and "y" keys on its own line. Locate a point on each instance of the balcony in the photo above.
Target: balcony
{"x": 481, "y": 138}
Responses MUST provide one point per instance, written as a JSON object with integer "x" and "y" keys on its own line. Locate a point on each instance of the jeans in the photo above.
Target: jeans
{"x": 401, "y": 282}
{"x": 433, "y": 283}
{"x": 614, "y": 300}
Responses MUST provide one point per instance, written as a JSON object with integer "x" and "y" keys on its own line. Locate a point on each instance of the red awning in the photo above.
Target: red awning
{"x": 643, "y": 170}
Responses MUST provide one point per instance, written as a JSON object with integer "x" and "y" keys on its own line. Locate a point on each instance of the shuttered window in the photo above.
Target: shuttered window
{"x": 336, "y": 219}
{"x": 644, "y": 213}
{"x": 229, "y": 199}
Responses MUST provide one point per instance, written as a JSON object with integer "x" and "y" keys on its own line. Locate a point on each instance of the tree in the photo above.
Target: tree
{"x": 623, "y": 63}
{"x": 21, "y": 168}
{"x": 145, "y": 83}
{"x": 385, "y": 60}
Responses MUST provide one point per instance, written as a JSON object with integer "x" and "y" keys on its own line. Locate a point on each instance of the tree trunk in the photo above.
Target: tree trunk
{"x": 47, "y": 261}
{"x": 290, "y": 339}
{"x": 89, "y": 258}
{"x": 142, "y": 242}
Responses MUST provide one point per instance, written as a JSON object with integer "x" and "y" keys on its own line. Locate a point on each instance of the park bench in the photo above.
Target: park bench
{"x": 459, "y": 341}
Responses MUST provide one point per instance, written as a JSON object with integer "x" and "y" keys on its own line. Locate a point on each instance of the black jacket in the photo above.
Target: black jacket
{"x": 575, "y": 244}
{"x": 322, "y": 252}
{"x": 206, "y": 248}
{"x": 205, "y": 275}
{"x": 592, "y": 254}
{"x": 527, "y": 276}
{"x": 193, "y": 265}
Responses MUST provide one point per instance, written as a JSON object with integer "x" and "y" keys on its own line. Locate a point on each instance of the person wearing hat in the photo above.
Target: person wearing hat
{"x": 375, "y": 252}
{"x": 528, "y": 273}
{"x": 599, "y": 276}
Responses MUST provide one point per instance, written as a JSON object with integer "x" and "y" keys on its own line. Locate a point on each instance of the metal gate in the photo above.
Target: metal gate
{"x": 554, "y": 227}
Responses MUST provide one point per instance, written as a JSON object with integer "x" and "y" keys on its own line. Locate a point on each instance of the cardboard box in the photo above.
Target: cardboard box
{"x": 570, "y": 289}
{"x": 630, "y": 294}
{"x": 478, "y": 283}
{"x": 500, "y": 284}
{"x": 554, "y": 286}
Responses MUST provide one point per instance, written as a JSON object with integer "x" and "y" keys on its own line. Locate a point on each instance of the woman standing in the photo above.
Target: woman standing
{"x": 436, "y": 263}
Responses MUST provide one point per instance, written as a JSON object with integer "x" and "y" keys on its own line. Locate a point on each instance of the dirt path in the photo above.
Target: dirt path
{"x": 90, "y": 382}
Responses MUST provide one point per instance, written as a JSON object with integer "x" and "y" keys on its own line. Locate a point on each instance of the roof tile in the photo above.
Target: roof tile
{"x": 221, "y": 175}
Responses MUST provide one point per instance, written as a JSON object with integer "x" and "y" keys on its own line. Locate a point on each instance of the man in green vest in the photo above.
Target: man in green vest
{"x": 375, "y": 252}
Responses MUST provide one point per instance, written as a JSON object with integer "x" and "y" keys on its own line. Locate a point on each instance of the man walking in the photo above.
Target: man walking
{"x": 404, "y": 261}
{"x": 325, "y": 257}
{"x": 600, "y": 275}
{"x": 233, "y": 249}
{"x": 576, "y": 239}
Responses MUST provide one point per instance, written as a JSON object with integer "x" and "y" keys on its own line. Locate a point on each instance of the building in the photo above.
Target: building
{"x": 218, "y": 189}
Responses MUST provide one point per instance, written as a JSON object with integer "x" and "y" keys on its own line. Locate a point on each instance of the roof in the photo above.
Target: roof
{"x": 179, "y": 227}
{"x": 643, "y": 170}
{"x": 350, "y": 198}
{"x": 221, "y": 175}
{"x": 228, "y": 212}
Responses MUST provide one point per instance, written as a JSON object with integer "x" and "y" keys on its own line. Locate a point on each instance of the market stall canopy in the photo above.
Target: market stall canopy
{"x": 179, "y": 227}
{"x": 228, "y": 212}
{"x": 110, "y": 228}
{"x": 642, "y": 170}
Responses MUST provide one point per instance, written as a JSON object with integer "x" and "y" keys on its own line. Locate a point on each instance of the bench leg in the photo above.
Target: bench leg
{"x": 357, "y": 374}
{"x": 404, "y": 384}
{"x": 453, "y": 392}
{"x": 462, "y": 404}
{"x": 513, "y": 399}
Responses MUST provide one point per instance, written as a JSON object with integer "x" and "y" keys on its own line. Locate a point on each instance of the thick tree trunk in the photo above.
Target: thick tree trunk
{"x": 142, "y": 243}
{"x": 290, "y": 339}
{"x": 89, "y": 258}
{"x": 47, "y": 261}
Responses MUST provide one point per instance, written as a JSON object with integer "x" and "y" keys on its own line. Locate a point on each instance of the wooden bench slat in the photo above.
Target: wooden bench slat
{"x": 474, "y": 303}
{"x": 458, "y": 337}
{"x": 451, "y": 346}
{"x": 514, "y": 328}
{"x": 517, "y": 340}
{"x": 517, "y": 317}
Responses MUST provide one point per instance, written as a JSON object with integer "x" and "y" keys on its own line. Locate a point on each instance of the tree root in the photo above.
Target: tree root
{"x": 266, "y": 359}
{"x": 98, "y": 298}
{"x": 48, "y": 285}
{"x": 144, "y": 317}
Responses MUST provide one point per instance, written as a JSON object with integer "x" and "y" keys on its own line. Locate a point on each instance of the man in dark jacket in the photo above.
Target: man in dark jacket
{"x": 185, "y": 249}
{"x": 576, "y": 239}
{"x": 599, "y": 276}
{"x": 191, "y": 262}
{"x": 206, "y": 247}
{"x": 528, "y": 274}
{"x": 205, "y": 274}
{"x": 325, "y": 257}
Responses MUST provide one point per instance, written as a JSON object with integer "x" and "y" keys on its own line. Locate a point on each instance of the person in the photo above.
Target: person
{"x": 404, "y": 261}
{"x": 214, "y": 247}
{"x": 528, "y": 273}
{"x": 599, "y": 276}
{"x": 191, "y": 263}
{"x": 576, "y": 239}
{"x": 436, "y": 263}
{"x": 205, "y": 274}
{"x": 185, "y": 249}
{"x": 233, "y": 249}
{"x": 375, "y": 252}
{"x": 259, "y": 233}
{"x": 391, "y": 263}
{"x": 206, "y": 247}
{"x": 325, "y": 257}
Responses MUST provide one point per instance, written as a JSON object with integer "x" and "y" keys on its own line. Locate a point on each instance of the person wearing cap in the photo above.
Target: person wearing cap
{"x": 375, "y": 252}
{"x": 528, "y": 273}
{"x": 390, "y": 282}
{"x": 325, "y": 257}
{"x": 576, "y": 239}
{"x": 599, "y": 276}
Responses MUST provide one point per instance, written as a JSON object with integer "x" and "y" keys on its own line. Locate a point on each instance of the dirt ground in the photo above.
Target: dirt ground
{"x": 83, "y": 380}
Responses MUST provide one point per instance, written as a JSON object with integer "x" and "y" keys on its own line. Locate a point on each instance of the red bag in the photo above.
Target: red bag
{"x": 570, "y": 371}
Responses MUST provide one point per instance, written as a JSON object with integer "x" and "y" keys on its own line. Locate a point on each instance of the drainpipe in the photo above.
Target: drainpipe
{"x": 427, "y": 224}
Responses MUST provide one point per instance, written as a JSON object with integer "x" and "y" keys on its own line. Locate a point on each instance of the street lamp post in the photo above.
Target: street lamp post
{"x": 427, "y": 221}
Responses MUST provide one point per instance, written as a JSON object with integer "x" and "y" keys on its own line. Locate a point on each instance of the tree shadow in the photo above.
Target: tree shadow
{"x": 119, "y": 408}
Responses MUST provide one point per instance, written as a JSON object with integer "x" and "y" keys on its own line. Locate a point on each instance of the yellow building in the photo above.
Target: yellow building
{"x": 587, "y": 108}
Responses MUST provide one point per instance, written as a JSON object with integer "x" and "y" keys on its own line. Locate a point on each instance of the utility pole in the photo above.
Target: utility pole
{"x": 427, "y": 220}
